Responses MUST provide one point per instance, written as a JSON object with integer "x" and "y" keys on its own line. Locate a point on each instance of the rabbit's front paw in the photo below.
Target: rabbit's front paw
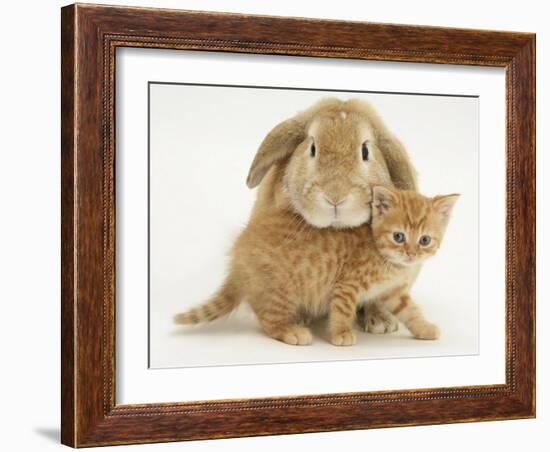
{"x": 381, "y": 322}
{"x": 374, "y": 320}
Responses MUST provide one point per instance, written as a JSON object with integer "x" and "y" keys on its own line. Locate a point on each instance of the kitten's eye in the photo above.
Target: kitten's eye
{"x": 312, "y": 150}
{"x": 425, "y": 240}
{"x": 365, "y": 152}
{"x": 399, "y": 237}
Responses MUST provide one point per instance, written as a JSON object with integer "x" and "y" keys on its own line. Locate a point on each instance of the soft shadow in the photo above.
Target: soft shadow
{"x": 51, "y": 433}
{"x": 220, "y": 327}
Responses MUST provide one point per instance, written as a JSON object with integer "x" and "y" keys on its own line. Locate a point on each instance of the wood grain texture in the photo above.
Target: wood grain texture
{"x": 68, "y": 147}
{"x": 90, "y": 35}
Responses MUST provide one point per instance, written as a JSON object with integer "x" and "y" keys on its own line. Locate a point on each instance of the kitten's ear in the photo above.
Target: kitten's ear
{"x": 444, "y": 206}
{"x": 383, "y": 199}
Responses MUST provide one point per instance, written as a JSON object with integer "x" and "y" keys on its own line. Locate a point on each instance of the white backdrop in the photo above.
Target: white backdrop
{"x": 203, "y": 139}
{"x": 137, "y": 384}
{"x": 30, "y": 188}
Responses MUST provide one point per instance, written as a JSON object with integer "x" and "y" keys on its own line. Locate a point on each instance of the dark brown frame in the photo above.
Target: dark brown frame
{"x": 90, "y": 34}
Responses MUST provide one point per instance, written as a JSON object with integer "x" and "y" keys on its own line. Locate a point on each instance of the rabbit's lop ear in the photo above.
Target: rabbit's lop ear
{"x": 278, "y": 143}
{"x": 402, "y": 172}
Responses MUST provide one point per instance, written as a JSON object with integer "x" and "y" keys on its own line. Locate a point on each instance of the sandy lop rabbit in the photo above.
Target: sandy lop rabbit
{"x": 316, "y": 172}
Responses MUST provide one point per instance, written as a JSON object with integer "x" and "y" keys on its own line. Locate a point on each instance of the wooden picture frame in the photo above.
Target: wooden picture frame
{"x": 90, "y": 35}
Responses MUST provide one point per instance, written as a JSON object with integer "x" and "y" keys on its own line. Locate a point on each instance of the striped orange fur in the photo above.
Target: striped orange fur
{"x": 289, "y": 271}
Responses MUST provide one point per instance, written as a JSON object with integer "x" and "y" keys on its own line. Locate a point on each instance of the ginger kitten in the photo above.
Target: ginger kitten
{"x": 290, "y": 272}
{"x": 406, "y": 228}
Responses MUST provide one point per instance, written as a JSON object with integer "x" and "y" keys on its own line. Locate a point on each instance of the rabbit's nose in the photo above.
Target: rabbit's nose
{"x": 335, "y": 201}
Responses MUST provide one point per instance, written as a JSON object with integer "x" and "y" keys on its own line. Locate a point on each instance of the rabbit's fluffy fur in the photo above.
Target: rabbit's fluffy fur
{"x": 292, "y": 180}
{"x": 315, "y": 189}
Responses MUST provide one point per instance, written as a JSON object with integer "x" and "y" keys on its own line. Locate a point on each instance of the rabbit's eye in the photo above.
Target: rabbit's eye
{"x": 365, "y": 152}
{"x": 312, "y": 150}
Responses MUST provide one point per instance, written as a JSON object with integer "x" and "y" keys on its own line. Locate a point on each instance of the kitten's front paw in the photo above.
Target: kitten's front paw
{"x": 427, "y": 331}
{"x": 297, "y": 335}
{"x": 346, "y": 337}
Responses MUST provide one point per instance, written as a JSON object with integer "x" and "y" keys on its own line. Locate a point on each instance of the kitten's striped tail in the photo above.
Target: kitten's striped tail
{"x": 225, "y": 301}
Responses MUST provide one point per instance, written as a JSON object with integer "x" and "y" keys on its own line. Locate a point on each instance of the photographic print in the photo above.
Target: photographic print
{"x": 300, "y": 225}
{"x": 251, "y": 212}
